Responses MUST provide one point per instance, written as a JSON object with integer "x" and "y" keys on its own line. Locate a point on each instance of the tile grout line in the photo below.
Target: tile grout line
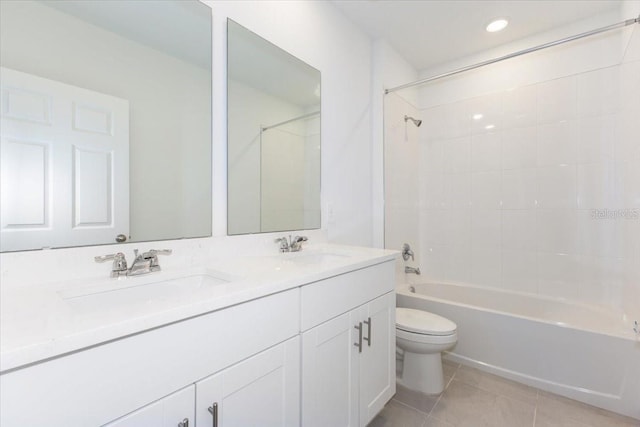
{"x": 443, "y": 392}
{"x": 411, "y": 407}
{"x": 428, "y": 414}
{"x": 535, "y": 409}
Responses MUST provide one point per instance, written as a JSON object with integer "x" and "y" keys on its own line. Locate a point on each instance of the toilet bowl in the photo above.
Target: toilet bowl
{"x": 423, "y": 336}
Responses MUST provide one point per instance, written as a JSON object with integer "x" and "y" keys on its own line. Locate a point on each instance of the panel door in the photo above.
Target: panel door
{"x": 330, "y": 373}
{"x": 167, "y": 412}
{"x": 377, "y": 361}
{"x": 263, "y": 390}
{"x": 64, "y": 164}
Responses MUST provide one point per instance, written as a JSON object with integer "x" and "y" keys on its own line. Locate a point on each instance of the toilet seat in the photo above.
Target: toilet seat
{"x": 418, "y": 322}
{"x": 427, "y": 339}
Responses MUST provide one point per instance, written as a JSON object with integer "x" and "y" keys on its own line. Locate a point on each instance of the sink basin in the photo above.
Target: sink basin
{"x": 145, "y": 290}
{"x": 316, "y": 258}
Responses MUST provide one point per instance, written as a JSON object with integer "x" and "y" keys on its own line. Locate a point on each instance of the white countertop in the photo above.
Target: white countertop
{"x": 43, "y": 321}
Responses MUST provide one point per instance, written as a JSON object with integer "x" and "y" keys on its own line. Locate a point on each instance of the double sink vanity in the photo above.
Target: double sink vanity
{"x": 304, "y": 338}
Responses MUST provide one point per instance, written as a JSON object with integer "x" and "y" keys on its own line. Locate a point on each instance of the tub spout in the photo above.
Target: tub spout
{"x": 411, "y": 270}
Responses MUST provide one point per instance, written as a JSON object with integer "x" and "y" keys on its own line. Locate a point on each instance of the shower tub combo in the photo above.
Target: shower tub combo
{"x": 578, "y": 351}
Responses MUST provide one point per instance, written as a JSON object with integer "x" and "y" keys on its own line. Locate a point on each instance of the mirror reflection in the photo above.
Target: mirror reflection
{"x": 106, "y": 122}
{"x": 273, "y": 137}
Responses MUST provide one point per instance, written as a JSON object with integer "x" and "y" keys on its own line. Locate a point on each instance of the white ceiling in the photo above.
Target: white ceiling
{"x": 432, "y": 32}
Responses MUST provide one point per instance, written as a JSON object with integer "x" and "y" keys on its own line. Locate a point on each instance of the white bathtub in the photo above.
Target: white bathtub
{"x": 581, "y": 352}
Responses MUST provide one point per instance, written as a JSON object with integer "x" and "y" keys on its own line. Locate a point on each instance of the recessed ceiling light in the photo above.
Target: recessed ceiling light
{"x": 498, "y": 24}
{"x": 489, "y": 127}
{"x": 477, "y": 116}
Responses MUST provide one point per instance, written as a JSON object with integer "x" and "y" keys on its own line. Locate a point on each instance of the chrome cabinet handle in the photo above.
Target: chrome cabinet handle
{"x": 213, "y": 410}
{"x": 359, "y": 343}
{"x": 368, "y": 337}
{"x": 184, "y": 423}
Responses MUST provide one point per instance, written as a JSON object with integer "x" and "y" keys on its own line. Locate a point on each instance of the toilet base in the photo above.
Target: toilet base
{"x": 422, "y": 372}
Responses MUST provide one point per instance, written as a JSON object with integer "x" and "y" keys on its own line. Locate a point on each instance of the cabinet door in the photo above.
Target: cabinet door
{"x": 330, "y": 373}
{"x": 377, "y": 361}
{"x": 263, "y": 390}
{"x": 167, "y": 412}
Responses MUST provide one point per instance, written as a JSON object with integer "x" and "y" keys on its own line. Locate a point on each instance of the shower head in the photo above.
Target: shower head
{"x": 415, "y": 121}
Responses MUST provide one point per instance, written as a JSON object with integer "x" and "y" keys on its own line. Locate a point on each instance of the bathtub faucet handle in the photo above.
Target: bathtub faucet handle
{"x": 407, "y": 252}
{"x": 636, "y": 328}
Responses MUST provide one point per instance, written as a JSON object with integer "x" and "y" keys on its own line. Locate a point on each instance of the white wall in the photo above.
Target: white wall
{"x": 389, "y": 70}
{"x": 510, "y": 207}
{"x": 317, "y": 33}
{"x": 312, "y": 171}
{"x": 165, "y": 107}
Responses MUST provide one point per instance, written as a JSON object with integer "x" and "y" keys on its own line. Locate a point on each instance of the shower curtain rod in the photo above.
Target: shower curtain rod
{"x": 515, "y": 54}
{"x": 304, "y": 116}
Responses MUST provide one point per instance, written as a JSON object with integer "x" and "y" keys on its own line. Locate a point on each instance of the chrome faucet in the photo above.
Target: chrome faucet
{"x": 296, "y": 243}
{"x": 291, "y": 245}
{"x": 119, "y": 266}
{"x": 284, "y": 244}
{"x": 144, "y": 263}
{"x": 411, "y": 270}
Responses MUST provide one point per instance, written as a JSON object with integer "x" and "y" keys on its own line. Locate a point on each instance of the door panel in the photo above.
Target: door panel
{"x": 76, "y": 144}
{"x": 25, "y": 182}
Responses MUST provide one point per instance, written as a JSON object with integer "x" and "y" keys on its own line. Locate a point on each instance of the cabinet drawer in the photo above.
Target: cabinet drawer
{"x": 99, "y": 384}
{"x": 325, "y": 299}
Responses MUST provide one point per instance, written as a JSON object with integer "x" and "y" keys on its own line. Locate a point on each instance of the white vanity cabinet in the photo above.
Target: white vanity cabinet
{"x": 348, "y": 360}
{"x": 101, "y": 384}
{"x": 175, "y": 410}
{"x": 316, "y": 353}
{"x": 263, "y": 390}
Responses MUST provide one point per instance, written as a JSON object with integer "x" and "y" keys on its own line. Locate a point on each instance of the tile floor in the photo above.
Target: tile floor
{"x": 475, "y": 399}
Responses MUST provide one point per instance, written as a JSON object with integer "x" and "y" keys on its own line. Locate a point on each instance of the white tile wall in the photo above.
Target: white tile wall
{"x": 557, "y": 100}
{"x": 403, "y": 183}
{"x": 506, "y": 199}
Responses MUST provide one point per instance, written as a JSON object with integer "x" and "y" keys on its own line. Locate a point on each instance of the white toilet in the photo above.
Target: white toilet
{"x": 423, "y": 336}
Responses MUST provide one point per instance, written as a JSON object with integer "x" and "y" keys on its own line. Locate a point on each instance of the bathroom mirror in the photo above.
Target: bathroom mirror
{"x": 273, "y": 137}
{"x": 106, "y": 122}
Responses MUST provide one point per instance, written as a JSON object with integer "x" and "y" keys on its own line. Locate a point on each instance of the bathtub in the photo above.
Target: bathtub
{"x": 582, "y": 352}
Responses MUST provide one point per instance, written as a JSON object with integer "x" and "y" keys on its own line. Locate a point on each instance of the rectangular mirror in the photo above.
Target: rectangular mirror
{"x": 106, "y": 122}
{"x": 273, "y": 137}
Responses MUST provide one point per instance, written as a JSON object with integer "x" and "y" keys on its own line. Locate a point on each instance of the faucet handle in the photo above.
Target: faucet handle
{"x": 161, "y": 251}
{"x": 296, "y": 243}
{"x": 284, "y": 244}
{"x": 119, "y": 262}
{"x": 104, "y": 258}
{"x": 152, "y": 255}
{"x": 407, "y": 252}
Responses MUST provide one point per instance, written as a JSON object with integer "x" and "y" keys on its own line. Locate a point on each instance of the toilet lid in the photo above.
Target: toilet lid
{"x": 423, "y": 322}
